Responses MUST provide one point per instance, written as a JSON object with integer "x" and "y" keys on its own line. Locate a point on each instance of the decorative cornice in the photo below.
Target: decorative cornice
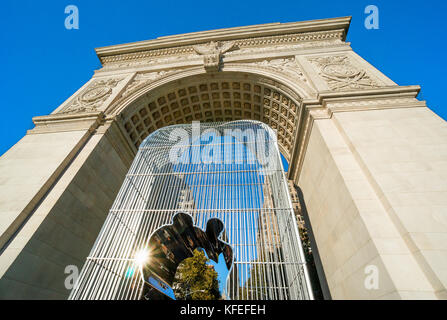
{"x": 329, "y": 102}
{"x": 251, "y": 36}
{"x": 186, "y": 51}
{"x": 67, "y": 122}
{"x": 306, "y": 40}
{"x": 234, "y": 55}
{"x": 335, "y": 42}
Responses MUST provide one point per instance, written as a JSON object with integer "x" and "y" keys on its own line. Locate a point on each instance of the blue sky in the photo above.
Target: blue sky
{"x": 43, "y": 63}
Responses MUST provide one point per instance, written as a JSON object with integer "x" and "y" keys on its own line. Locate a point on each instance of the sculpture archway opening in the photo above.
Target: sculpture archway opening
{"x": 225, "y": 177}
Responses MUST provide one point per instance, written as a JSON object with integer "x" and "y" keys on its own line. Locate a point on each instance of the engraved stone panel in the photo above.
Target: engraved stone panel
{"x": 91, "y": 98}
{"x": 341, "y": 74}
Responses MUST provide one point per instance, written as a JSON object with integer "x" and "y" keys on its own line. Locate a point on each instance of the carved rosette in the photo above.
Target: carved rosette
{"x": 92, "y": 97}
{"x": 340, "y": 74}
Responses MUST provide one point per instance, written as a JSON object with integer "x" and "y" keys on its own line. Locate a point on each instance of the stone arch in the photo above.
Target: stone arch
{"x": 353, "y": 125}
{"x": 224, "y": 96}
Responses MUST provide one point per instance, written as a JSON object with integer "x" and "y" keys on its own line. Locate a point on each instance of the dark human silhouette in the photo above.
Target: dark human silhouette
{"x": 171, "y": 244}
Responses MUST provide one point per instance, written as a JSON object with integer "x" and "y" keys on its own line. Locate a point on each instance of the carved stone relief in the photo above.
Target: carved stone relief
{"x": 91, "y": 98}
{"x": 285, "y": 47}
{"x": 143, "y": 79}
{"x": 212, "y": 53}
{"x": 288, "y": 66}
{"x": 240, "y": 52}
{"x": 340, "y": 74}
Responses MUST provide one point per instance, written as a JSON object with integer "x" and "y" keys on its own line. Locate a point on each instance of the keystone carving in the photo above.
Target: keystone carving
{"x": 212, "y": 53}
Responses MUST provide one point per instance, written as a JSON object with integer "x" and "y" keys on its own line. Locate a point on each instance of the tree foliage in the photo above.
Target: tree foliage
{"x": 196, "y": 280}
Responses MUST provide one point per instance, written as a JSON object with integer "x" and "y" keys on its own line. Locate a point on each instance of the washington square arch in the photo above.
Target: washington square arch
{"x": 367, "y": 158}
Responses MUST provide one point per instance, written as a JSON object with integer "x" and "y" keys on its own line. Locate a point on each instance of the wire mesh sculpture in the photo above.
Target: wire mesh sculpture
{"x": 230, "y": 171}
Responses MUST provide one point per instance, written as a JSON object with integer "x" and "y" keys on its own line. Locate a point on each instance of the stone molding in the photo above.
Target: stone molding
{"x": 288, "y": 66}
{"x": 237, "y": 55}
{"x": 67, "y": 122}
{"x": 246, "y": 46}
{"x": 250, "y": 36}
{"x": 367, "y": 99}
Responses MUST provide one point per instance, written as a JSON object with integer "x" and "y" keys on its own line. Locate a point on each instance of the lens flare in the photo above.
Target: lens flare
{"x": 141, "y": 257}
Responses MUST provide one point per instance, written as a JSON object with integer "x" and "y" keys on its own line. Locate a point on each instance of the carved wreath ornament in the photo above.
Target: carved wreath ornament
{"x": 92, "y": 97}
{"x": 340, "y": 74}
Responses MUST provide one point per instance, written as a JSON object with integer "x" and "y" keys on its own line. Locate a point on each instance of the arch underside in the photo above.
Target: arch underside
{"x": 224, "y": 96}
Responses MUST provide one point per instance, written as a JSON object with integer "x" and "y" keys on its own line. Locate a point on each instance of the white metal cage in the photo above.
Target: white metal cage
{"x": 231, "y": 171}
